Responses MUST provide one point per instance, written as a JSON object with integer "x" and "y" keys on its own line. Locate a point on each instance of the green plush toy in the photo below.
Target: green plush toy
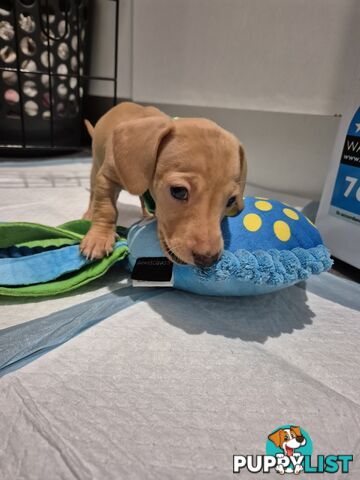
{"x": 38, "y": 260}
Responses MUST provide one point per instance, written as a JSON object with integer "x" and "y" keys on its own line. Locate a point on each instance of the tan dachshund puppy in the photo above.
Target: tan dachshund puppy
{"x": 194, "y": 170}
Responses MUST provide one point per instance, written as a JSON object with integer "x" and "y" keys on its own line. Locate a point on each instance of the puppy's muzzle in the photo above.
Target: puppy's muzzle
{"x": 203, "y": 261}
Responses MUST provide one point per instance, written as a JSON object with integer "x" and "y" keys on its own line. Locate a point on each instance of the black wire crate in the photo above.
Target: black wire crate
{"x": 44, "y": 65}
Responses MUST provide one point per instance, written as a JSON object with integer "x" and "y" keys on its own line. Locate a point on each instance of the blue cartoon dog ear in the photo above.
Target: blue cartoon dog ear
{"x": 275, "y": 438}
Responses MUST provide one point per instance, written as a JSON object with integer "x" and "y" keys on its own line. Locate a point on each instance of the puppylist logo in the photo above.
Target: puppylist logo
{"x": 289, "y": 450}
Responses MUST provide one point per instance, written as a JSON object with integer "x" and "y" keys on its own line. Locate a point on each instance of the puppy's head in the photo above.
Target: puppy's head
{"x": 288, "y": 439}
{"x": 196, "y": 173}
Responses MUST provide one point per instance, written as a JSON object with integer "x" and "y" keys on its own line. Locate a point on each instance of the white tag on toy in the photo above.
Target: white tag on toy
{"x": 152, "y": 272}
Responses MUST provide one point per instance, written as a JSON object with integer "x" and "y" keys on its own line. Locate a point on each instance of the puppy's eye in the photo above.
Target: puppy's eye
{"x": 231, "y": 202}
{"x": 180, "y": 193}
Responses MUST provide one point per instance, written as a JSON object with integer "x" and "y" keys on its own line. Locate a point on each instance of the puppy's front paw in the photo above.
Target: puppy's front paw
{"x": 96, "y": 245}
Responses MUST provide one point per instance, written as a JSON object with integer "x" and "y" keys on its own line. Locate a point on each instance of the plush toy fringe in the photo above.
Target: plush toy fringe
{"x": 273, "y": 267}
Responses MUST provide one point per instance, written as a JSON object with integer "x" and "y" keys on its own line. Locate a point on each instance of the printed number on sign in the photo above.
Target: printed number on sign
{"x": 352, "y": 183}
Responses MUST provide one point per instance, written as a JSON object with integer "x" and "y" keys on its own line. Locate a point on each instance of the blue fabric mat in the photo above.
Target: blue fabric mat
{"x": 22, "y": 343}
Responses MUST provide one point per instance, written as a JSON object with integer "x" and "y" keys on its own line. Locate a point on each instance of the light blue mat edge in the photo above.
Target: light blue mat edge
{"x": 43, "y": 267}
{"x": 21, "y": 344}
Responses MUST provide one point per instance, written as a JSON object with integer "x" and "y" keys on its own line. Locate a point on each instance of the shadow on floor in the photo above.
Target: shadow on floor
{"x": 252, "y": 319}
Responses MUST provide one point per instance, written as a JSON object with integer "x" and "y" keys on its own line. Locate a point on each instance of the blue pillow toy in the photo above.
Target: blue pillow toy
{"x": 268, "y": 246}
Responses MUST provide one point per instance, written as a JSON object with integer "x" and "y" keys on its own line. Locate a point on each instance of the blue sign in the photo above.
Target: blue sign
{"x": 345, "y": 202}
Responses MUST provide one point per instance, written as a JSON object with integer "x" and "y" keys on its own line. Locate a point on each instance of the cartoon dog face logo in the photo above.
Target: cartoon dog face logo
{"x": 288, "y": 439}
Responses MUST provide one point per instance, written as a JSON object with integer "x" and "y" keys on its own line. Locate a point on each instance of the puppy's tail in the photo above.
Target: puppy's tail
{"x": 89, "y": 128}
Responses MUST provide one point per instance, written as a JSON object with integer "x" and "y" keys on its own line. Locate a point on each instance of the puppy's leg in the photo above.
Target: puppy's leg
{"x": 100, "y": 239}
{"x": 88, "y": 214}
{"x": 94, "y": 171}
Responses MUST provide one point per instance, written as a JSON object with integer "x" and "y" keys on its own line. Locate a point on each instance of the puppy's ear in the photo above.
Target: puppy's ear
{"x": 297, "y": 431}
{"x": 243, "y": 174}
{"x": 135, "y": 146}
{"x": 275, "y": 438}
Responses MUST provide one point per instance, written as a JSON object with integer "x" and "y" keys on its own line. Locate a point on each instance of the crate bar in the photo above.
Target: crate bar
{"x": 79, "y": 99}
{"x": 116, "y": 51}
{"x": 39, "y": 147}
{"x": 49, "y": 71}
{"x": 39, "y": 72}
{"x": 19, "y": 80}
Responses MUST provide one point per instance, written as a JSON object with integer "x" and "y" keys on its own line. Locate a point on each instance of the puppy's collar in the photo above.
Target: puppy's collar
{"x": 149, "y": 202}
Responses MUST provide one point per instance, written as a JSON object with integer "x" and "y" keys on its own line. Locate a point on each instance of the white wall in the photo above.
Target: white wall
{"x": 272, "y": 71}
{"x": 273, "y": 55}
{"x": 102, "y": 48}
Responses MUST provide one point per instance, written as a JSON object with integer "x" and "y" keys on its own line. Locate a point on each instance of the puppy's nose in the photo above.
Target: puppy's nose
{"x": 205, "y": 260}
{"x": 300, "y": 438}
